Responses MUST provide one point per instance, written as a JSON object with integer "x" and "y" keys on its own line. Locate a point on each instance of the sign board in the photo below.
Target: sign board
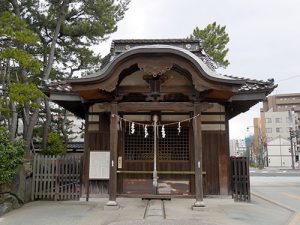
{"x": 99, "y": 165}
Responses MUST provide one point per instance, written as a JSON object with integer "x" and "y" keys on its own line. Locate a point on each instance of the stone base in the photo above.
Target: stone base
{"x": 198, "y": 206}
{"x": 111, "y": 205}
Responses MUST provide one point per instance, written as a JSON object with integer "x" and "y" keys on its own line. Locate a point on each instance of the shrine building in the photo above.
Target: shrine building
{"x": 156, "y": 120}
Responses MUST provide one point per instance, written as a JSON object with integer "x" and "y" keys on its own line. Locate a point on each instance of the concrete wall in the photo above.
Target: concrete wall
{"x": 279, "y": 153}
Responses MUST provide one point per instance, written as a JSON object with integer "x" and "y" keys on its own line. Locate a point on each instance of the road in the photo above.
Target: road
{"x": 275, "y": 172}
{"x": 281, "y": 187}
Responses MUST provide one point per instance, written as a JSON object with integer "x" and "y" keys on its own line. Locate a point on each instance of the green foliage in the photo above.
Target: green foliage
{"x": 55, "y": 145}
{"x": 25, "y": 59}
{"x": 11, "y": 156}
{"x": 4, "y": 5}
{"x": 4, "y": 108}
{"x": 16, "y": 29}
{"x": 25, "y": 94}
{"x": 15, "y": 36}
{"x": 214, "y": 39}
{"x": 94, "y": 19}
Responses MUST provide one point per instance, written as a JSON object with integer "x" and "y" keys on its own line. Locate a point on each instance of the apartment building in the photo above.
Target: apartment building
{"x": 276, "y": 116}
{"x": 282, "y": 102}
{"x": 279, "y": 114}
{"x": 277, "y": 124}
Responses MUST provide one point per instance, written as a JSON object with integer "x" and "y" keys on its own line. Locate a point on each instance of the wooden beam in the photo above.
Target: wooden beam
{"x": 113, "y": 156}
{"x": 198, "y": 157}
{"x": 70, "y": 97}
{"x": 100, "y": 107}
{"x": 155, "y": 106}
{"x": 248, "y": 96}
{"x": 178, "y": 107}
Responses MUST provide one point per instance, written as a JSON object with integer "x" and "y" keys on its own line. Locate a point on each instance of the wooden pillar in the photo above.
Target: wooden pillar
{"x": 198, "y": 157}
{"x": 113, "y": 156}
{"x": 86, "y": 156}
{"x": 224, "y": 161}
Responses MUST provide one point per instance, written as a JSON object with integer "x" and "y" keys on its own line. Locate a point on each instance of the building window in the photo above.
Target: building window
{"x": 278, "y": 120}
{"x": 278, "y": 130}
{"x": 268, "y": 120}
{"x": 269, "y": 130}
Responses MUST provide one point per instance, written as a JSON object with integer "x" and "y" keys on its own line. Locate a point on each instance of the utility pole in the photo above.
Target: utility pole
{"x": 292, "y": 134}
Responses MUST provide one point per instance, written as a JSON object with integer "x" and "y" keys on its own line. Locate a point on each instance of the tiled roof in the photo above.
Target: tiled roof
{"x": 58, "y": 86}
{"x": 250, "y": 85}
{"x": 192, "y": 45}
{"x": 254, "y": 85}
{"x": 156, "y": 41}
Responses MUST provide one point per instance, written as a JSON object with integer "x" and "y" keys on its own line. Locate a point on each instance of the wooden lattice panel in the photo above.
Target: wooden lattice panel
{"x": 173, "y": 147}
{"x": 136, "y": 146}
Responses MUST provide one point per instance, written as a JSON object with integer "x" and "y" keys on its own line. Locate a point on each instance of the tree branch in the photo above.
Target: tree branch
{"x": 60, "y": 20}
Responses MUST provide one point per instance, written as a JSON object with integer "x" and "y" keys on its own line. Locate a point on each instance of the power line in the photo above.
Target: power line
{"x": 289, "y": 78}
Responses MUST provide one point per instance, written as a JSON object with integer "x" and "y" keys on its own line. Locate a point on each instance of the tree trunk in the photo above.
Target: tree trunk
{"x": 46, "y": 124}
{"x": 16, "y": 7}
{"x": 61, "y": 18}
{"x": 63, "y": 126}
{"x": 25, "y": 120}
{"x": 13, "y": 121}
{"x": 29, "y": 132}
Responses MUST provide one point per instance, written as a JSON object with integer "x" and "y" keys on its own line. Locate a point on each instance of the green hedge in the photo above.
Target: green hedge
{"x": 11, "y": 156}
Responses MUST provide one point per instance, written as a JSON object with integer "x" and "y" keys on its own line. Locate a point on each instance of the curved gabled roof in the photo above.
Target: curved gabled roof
{"x": 203, "y": 69}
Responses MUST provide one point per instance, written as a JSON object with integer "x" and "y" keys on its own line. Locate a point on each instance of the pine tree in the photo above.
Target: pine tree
{"x": 67, "y": 29}
{"x": 214, "y": 39}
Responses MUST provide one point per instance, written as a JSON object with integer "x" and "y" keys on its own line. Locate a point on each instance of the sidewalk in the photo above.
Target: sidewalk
{"x": 178, "y": 212}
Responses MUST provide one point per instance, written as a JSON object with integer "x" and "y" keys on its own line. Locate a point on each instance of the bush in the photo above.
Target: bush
{"x": 11, "y": 156}
{"x": 55, "y": 145}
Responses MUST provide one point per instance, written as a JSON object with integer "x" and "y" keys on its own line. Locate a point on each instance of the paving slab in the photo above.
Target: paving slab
{"x": 131, "y": 212}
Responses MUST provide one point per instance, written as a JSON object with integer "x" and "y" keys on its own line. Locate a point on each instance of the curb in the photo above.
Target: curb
{"x": 274, "y": 202}
{"x": 294, "y": 218}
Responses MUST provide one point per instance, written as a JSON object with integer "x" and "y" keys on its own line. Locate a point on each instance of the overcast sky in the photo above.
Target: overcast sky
{"x": 264, "y": 37}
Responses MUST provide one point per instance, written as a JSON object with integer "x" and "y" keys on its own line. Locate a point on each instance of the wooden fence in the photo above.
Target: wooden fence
{"x": 240, "y": 179}
{"x": 56, "y": 178}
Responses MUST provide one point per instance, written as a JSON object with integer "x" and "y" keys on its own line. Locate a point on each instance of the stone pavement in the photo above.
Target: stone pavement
{"x": 178, "y": 212}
